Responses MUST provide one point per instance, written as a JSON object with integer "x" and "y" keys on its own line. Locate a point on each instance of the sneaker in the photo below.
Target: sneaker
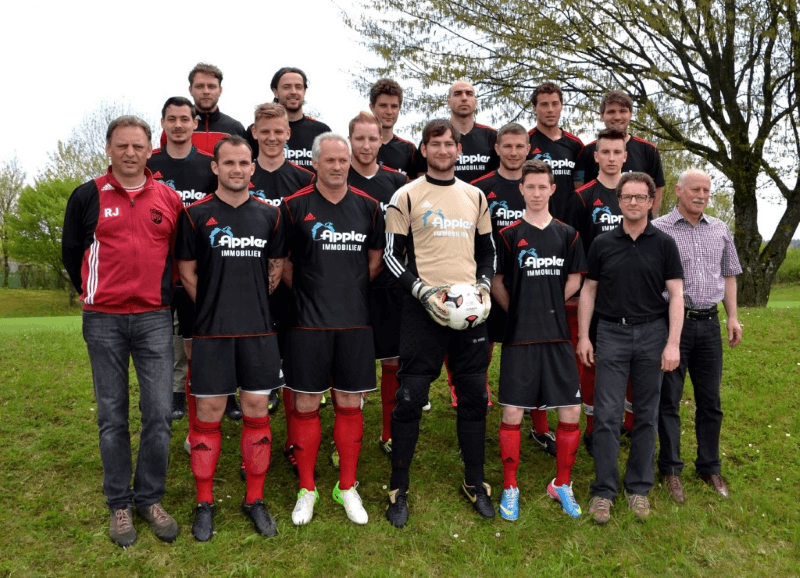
{"x": 600, "y": 510}
{"x": 187, "y": 446}
{"x": 397, "y": 512}
{"x": 509, "y": 504}
{"x": 386, "y": 446}
{"x": 263, "y": 521}
{"x": 163, "y": 525}
{"x": 718, "y": 483}
{"x": 588, "y": 441}
{"x": 274, "y": 401}
{"x": 203, "y": 526}
{"x": 675, "y": 488}
{"x": 480, "y": 496}
{"x": 547, "y": 441}
{"x": 304, "y": 508}
{"x": 352, "y": 504}
{"x": 178, "y": 405}
{"x": 639, "y": 505}
{"x": 121, "y": 530}
{"x": 232, "y": 409}
{"x": 564, "y": 496}
{"x": 427, "y": 406}
{"x": 334, "y": 459}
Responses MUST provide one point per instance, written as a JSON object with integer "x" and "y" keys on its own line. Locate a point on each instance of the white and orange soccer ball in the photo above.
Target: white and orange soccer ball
{"x": 466, "y": 305}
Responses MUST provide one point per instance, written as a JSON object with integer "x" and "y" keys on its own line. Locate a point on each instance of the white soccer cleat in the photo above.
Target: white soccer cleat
{"x": 304, "y": 508}
{"x": 352, "y": 504}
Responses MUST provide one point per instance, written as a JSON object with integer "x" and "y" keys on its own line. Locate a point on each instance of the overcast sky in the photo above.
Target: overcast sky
{"x": 63, "y": 59}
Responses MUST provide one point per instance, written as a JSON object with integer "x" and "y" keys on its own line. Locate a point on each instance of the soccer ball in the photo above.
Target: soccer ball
{"x": 466, "y": 306}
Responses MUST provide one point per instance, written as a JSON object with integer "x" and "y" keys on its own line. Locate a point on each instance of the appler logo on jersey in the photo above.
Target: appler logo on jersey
{"x": 500, "y": 211}
{"x": 300, "y": 157}
{"x": 558, "y": 166}
{"x": 602, "y": 216}
{"x": 261, "y": 195}
{"x": 435, "y": 218}
{"x": 332, "y": 240}
{"x": 188, "y": 197}
{"x": 233, "y": 246}
{"x": 536, "y": 266}
{"x": 471, "y": 162}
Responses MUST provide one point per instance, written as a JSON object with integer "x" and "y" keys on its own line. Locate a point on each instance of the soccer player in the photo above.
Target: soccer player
{"x": 539, "y": 266}
{"x": 385, "y": 297}
{"x": 616, "y": 111}
{"x": 224, "y": 239}
{"x": 385, "y": 100}
{"x": 335, "y": 241}
{"x": 439, "y": 233}
{"x": 710, "y": 266}
{"x": 183, "y": 167}
{"x": 638, "y": 335}
{"x": 478, "y": 155}
{"x": 126, "y": 287}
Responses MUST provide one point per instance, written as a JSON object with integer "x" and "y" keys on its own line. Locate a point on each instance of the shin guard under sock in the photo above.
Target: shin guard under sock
{"x": 256, "y": 452}
{"x": 568, "y": 438}
{"x": 206, "y": 444}
{"x": 306, "y": 438}
{"x": 510, "y": 438}
{"x": 348, "y": 430}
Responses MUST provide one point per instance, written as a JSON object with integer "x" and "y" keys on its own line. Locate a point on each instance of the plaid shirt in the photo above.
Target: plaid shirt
{"x": 707, "y": 254}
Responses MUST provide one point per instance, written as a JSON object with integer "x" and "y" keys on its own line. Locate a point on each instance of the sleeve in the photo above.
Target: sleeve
{"x": 673, "y": 269}
{"x": 575, "y": 255}
{"x": 593, "y": 263}
{"x": 656, "y": 170}
{"x": 485, "y": 256}
{"x": 277, "y": 242}
{"x": 73, "y": 239}
{"x": 585, "y": 167}
{"x": 505, "y": 254}
{"x": 287, "y": 226}
{"x": 397, "y": 231}
{"x": 377, "y": 238}
{"x": 185, "y": 243}
{"x": 421, "y": 165}
{"x": 730, "y": 258}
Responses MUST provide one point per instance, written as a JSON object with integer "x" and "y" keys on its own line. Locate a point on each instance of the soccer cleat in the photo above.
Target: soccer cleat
{"x": 639, "y": 505}
{"x": 163, "y": 525}
{"x": 352, "y": 504}
{"x": 600, "y": 510}
{"x": 324, "y": 401}
{"x": 334, "y": 459}
{"x": 263, "y": 521}
{"x": 480, "y": 496}
{"x": 427, "y": 406}
{"x": 187, "y": 446}
{"x": 232, "y": 409}
{"x": 274, "y": 401}
{"x": 121, "y": 530}
{"x": 178, "y": 405}
{"x": 509, "y": 504}
{"x": 547, "y": 441}
{"x": 397, "y": 512}
{"x": 243, "y": 473}
{"x": 564, "y": 496}
{"x": 203, "y": 526}
{"x": 718, "y": 483}
{"x": 675, "y": 488}
{"x": 304, "y": 508}
{"x": 588, "y": 441}
{"x": 386, "y": 446}
{"x": 288, "y": 453}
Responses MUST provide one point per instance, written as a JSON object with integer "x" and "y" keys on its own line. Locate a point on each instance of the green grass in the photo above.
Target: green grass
{"x": 35, "y": 303}
{"x": 785, "y": 295}
{"x": 54, "y": 519}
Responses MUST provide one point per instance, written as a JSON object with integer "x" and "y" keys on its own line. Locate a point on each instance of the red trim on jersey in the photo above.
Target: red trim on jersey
{"x": 586, "y": 186}
{"x": 308, "y": 189}
{"x": 226, "y": 336}
{"x": 641, "y": 140}
{"x": 313, "y": 174}
{"x": 483, "y": 177}
{"x": 571, "y": 136}
{"x": 477, "y": 125}
{"x": 401, "y": 139}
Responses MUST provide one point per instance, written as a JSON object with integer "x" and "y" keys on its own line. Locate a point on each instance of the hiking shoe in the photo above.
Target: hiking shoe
{"x": 232, "y": 409}
{"x": 263, "y": 521}
{"x": 178, "y": 405}
{"x": 675, "y": 488}
{"x": 352, "y": 503}
{"x": 397, "y": 512}
{"x": 121, "y": 530}
{"x": 588, "y": 441}
{"x": 639, "y": 505}
{"x": 304, "y": 508}
{"x": 386, "y": 446}
{"x": 163, "y": 525}
{"x": 509, "y": 504}
{"x": 564, "y": 496}
{"x": 718, "y": 483}
{"x": 480, "y": 496}
{"x": 274, "y": 401}
{"x": 600, "y": 510}
{"x": 547, "y": 441}
{"x": 203, "y": 526}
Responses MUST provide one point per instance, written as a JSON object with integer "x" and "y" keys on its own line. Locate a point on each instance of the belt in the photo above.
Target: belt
{"x": 632, "y": 320}
{"x": 700, "y": 314}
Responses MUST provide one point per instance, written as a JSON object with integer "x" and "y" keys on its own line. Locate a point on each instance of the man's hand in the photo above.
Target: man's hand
{"x": 187, "y": 349}
{"x": 585, "y": 351}
{"x": 670, "y": 358}
{"x": 734, "y": 332}
{"x": 432, "y": 298}
{"x": 484, "y": 287}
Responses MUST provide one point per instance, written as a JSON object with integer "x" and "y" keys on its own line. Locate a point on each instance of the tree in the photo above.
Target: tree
{"x": 12, "y": 178}
{"x": 717, "y": 78}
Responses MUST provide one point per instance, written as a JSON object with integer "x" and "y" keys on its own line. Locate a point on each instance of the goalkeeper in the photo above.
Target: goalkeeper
{"x": 439, "y": 233}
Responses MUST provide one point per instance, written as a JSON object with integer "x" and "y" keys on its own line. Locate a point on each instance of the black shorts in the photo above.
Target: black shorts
{"x": 317, "y": 357}
{"x": 220, "y": 365}
{"x": 384, "y": 311}
{"x": 539, "y": 375}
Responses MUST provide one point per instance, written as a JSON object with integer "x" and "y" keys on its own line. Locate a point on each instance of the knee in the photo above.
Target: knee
{"x": 411, "y": 396}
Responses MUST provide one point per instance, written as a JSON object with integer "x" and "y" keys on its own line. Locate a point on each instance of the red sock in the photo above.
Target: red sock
{"x": 509, "y": 452}
{"x": 306, "y": 436}
{"x": 629, "y": 406}
{"x": 568, "y": 438}
{"x": 389, "y": 387}
{"x": 206, "y": 444}
{"x": 348, "y": 429}
{"x": 256, "y": 451}
{"x": 539, "y": 419}
{"x": 450, "y": 381}
{"x": 288, "y": 408}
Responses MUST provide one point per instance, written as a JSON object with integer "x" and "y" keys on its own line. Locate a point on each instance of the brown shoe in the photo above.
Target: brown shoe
{"x": 718, "y": 482}
{"x": 600, "y": 510}
{"x": 121, "y": 530}
{"x": 639, "y": 505}
{"x": 675, "y": 488}
{"x": 163, "y": 525}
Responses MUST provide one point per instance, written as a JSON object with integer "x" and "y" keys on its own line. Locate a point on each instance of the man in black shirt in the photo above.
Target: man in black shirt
{"x": 385, "y": 100}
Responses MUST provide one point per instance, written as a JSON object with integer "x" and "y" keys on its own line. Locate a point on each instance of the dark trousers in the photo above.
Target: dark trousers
{"x": 701, "y": 354}
{"x": 622, "y": 351}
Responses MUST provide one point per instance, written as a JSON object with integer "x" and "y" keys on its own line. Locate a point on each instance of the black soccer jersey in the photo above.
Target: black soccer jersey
{"x": 643, "y": 157}
{"x": 273, "y": 186}
{"x": 191, "y": 177}
{"x": 304, "y": 131}
{"x": 400, "y": 155}
{"x": 562, "y": 156}
{"x": 477, "y": 156}
{"x": 535, "y": 264}
{"x": 329, "y": 245}
{"x": 506, "y": 203}
{"x": 232, "y": 246}
{"x": 599, "y": 211}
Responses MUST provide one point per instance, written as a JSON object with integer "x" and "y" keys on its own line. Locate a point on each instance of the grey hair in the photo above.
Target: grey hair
{"x": 690, "y": 172}
{"x": 322, "y": 138}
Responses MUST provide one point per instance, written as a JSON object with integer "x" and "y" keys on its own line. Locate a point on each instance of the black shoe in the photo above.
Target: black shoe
{"x": 203, "y": 526}
{"x": 232, "y": 409}
{"x": 178, "y": 405}
{"x": 480, "y": 496}
{"x": 588, "y": 441}
{"x": 289, "y": 455}
{"x": 243, "y": 473}
{"x": 546, "y": 441}
{"x": 262, "y": 519}
{"x": 274, "y": 401}
{"x": 397, "y": 512}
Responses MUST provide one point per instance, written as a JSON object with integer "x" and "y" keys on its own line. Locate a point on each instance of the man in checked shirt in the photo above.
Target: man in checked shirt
{"x": 710, "y": 266}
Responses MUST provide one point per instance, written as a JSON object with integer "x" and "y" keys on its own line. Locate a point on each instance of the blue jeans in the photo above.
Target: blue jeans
{"x": 112, "y": 340}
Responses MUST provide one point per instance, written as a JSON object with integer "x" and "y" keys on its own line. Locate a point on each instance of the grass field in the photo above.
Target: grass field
{"x": 54, "y": 519}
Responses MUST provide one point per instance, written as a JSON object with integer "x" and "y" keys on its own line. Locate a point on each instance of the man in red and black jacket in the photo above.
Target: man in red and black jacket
{"x": 119, "y": 230}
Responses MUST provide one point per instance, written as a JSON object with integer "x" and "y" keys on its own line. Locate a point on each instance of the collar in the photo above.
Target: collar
{"x": 648, "y": 230}
{"x": 209, "y": 116}
{"x": 437, "y": 182}
{"x": 674, "y": 217}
